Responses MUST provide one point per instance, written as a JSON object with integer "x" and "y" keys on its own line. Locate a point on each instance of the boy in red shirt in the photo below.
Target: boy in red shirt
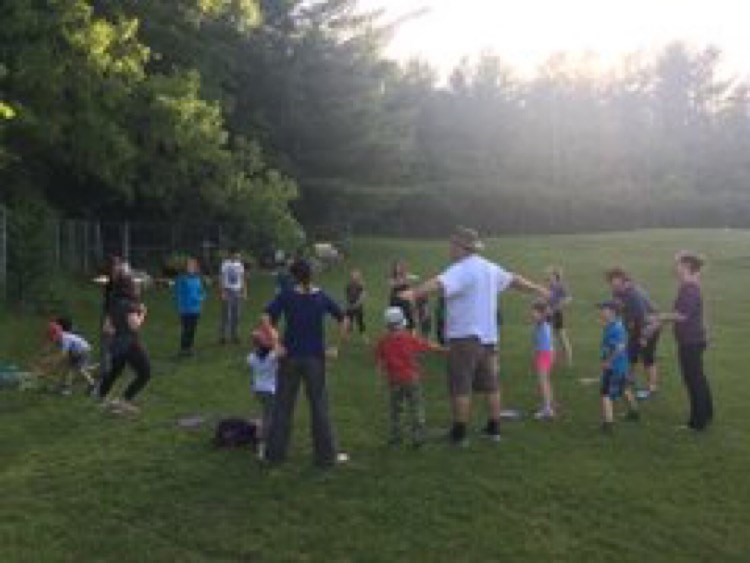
{"x": 397, "y": 356}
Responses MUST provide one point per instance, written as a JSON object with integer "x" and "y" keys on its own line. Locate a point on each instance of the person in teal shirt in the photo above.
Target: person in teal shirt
{"x": 615, "y": 365}
{"x": 189, "y": 295}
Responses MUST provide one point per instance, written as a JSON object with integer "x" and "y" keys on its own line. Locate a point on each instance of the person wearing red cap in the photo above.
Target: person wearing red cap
{"x": 264, "y": 364}
{"x": 75, "y": 352}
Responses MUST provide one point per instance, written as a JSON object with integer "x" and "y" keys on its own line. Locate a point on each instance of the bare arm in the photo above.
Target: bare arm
{"x": 523, "y": 285}
{"x": 674, "y": 317}
{"x": 423, "y": 290}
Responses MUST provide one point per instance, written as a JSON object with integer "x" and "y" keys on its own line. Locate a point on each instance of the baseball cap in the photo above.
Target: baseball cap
{"x": 468, "y": 239}
{"x": 394, "y": 317}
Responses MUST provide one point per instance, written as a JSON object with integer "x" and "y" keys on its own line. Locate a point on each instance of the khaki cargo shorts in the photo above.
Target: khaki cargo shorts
{"x": 472, "y": 366}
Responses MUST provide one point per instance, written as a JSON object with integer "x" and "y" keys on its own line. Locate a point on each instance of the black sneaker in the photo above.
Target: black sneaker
{"x": 491, "y": 431}
{"x": 457, "y": 436}
{"x": 608, "y": 428}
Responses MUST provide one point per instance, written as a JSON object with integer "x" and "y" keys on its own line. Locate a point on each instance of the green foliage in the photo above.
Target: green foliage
{"x": 105, "y": 126}
{"x": 29, "y": 258}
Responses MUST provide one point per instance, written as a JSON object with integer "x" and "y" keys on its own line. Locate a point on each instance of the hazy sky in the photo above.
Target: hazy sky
{"x": 526, "y": 32}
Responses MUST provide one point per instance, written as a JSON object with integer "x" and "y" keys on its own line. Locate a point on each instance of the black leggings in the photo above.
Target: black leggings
{"x": 356, "y": 316}
{"x": 699, "y": 392}
{"x": 136, "y": 357}
{"x": 189, "y": 324}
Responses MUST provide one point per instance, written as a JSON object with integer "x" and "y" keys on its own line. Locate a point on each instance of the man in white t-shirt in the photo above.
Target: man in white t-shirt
{"x": 233, "y": 290}
{"x": 471, "y": 286}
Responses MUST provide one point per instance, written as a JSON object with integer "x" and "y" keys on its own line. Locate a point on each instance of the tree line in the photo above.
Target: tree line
{"x": 276, "y": 113}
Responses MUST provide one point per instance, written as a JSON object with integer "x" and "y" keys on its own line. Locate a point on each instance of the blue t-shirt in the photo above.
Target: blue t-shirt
{"x": 304, "y": 316}
{"x": 189, "y": 294}
{"x": 614, "y": 347}
{"x": 543, "y": 337}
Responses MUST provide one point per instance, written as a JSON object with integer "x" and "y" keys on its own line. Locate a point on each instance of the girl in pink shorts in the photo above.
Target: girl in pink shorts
{"x": 544, "y": 357}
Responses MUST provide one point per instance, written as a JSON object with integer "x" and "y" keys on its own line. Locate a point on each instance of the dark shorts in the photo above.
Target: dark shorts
{"x": 640, "y": 350}
{"x": 558, "y": 320}
{"x": 78, "y": 361}
{"x": 472, "y": 366}
{"x": 613, "y": 384}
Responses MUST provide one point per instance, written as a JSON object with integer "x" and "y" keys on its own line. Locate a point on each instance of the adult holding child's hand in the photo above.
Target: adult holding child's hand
{"x": 471, "y": 286}
{"x": 304, "y": 309}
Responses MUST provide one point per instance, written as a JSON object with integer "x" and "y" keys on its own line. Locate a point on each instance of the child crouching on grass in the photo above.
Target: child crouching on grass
{"x": 264, "y": 364}
{"x": 544, "y": 357}
{"x": 397, "y": 357}
{"x": 615, "y": 365}
{"x": 72, "y": 356}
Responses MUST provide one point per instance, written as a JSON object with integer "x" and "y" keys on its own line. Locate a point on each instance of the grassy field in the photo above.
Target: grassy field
{"x": 79, "y": 485}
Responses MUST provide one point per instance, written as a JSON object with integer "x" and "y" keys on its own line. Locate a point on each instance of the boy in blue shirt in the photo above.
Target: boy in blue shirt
{"x": 615, "y": 365}
{"x": 189, "y": 294}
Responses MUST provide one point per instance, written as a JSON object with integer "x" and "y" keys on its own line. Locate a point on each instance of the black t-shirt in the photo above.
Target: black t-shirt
{"x": 119, "y": 311}
{"x": 406, "y": 306}
{"x": 354, "y": 291}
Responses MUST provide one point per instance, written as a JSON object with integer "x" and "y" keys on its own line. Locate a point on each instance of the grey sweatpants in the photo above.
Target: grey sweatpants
{"x": 411, "y": 394}
{"x": 292, "y": 372}
{"x": 230, "y": 315}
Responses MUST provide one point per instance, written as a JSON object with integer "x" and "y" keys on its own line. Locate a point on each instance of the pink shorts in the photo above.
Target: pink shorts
{"x": 543, "y": 361}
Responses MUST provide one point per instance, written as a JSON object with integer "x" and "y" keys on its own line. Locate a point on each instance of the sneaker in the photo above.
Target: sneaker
{"x": 126, "y": 407}
{"x": 491, "y": 431}
{"x": 394, "y": 442}
{"x": 643, "y": 394}
{"x": 544, "y": 414}
{"x": 457, "y": 439}
{"x": 607, "y": 428}
{"x": 66, "y": 391}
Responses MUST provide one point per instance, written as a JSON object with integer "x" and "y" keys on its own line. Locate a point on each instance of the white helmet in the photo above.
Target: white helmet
{"x": 394, "y": 317}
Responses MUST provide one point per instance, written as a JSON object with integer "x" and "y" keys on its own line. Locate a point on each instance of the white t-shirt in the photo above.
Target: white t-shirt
{"x": 471, "y": 288}
{"x": 74, "y": 344}
{"x": 232, "y": 275}
{"x": 263, "y": 372}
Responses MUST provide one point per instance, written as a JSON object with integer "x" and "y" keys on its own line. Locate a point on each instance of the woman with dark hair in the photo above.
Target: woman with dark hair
{"x": 113, "y": 268}
{"x": 125, "y": 318}
{"x": 401, "y": 281}
{"x": 302, "y": 354}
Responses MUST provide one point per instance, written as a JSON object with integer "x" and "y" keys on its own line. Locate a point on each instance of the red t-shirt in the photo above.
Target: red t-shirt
{"x": 397, "y": 354}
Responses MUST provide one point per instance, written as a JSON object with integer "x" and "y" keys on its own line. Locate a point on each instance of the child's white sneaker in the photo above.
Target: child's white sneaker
{"x": 544, "y": 414}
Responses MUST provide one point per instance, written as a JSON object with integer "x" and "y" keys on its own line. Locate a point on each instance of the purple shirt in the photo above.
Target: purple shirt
{"x": 689, "y": 304}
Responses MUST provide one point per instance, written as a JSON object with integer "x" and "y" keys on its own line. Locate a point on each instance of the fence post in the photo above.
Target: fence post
{"x": 98, "y": 243}
{"x": 3, "y": 252}
{"x": 58, "y": 235}
{"x": 86, "y": 248}
{"x": 125, "y": 233}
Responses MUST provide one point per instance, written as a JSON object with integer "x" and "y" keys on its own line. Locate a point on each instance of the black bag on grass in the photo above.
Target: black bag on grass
{"x": 236, "y": 433}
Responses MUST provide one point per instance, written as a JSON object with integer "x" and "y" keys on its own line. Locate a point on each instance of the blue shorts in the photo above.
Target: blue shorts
{"x": 613, "y": 384}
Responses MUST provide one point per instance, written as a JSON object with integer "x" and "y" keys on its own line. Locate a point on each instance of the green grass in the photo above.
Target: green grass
{"x": 77, "y": 485}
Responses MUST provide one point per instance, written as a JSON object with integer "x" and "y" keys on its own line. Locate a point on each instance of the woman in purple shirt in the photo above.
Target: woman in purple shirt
{"x": 690, "y": 333}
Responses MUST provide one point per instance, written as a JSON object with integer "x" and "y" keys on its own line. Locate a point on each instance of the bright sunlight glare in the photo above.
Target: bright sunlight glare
{"x": 525, "y": 33}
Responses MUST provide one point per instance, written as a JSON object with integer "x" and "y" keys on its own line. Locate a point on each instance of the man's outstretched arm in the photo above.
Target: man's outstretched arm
{"x": 423, "y": 290}
{"x": 523, "y": 285}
